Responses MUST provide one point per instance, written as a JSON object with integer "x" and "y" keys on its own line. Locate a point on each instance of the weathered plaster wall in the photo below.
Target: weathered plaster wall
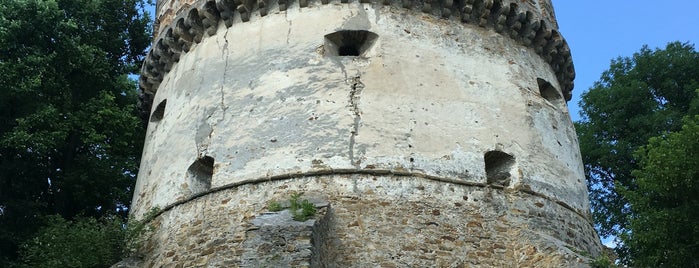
{"x": 396, "y": 140}
{"x": 529, "y": 22}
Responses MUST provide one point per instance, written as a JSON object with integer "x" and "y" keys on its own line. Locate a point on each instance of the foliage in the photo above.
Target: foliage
{"x": 306, "y": 211}
{"x": 665, "y": 201}
{"x": 294, "y": 200}
{"x": 137, "y": 231}
{"x": 70, "y": 136}
{"x": 639, "y": 97}
{"x": 301, "y": 210}
{"x": 274, "y": 206}
{"x": 84, "y": 242}
{"x": 601, "y": 262}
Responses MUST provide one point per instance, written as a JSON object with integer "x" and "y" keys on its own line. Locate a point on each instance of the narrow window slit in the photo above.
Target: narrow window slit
{"x": 159, "y": 112}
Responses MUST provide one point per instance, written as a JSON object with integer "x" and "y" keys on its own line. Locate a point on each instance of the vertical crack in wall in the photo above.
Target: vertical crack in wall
{"x": 225, "y": 53}
{"x": 412, "y": 124}
{"x": 206, "y": 128}
{"x": 356, "y": 87}
{"x": 288, "y": 32}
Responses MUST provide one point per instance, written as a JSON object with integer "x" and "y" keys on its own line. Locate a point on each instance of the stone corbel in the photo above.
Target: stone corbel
{"x": 447, "y": 5}
{"x": 170, "y": 41}
{"x": 193, "y": 22}
{"x": 244, "y": 7}
{"x": 499, "y": 17}
{"x": 182, "y": 35}
{"x": 209, "y": 17}
{"x": 225, "y": 9}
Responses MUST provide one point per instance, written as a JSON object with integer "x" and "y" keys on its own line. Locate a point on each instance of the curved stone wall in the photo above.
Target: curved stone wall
{"x": 179, "y": 24}
{"x": 364, "y": 103}
{"x": 381, "y": 221}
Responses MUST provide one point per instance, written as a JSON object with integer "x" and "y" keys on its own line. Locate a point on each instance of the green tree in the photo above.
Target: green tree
{"x": 70, "y": 136}
{"x": 665, "y": 201}
{"x": 638, "y": 98}
{"x": 84, "y": 242}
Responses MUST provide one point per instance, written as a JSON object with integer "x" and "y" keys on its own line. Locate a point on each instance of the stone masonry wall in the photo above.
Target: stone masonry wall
{"x": 377, "y": 221}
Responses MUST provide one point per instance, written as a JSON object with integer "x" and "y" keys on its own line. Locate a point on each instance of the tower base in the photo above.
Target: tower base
{"x": 371, "y": 221}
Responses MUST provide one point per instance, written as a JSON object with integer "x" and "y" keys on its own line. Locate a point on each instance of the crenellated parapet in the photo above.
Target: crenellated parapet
{"x": 181, "y": 24}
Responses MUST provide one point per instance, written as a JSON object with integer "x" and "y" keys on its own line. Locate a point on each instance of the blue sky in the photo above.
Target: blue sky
{"x": 598, "y": 31}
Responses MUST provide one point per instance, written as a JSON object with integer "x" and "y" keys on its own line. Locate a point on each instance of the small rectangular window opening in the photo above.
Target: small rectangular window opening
{"x": 199, "y": 174}
{"x": 498, "y": 166}
{"x": 349, "y": 43}
{"x": 550, "y": 93}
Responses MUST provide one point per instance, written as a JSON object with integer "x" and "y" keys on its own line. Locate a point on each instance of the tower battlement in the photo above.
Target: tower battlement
{"x": 427, "y": 133}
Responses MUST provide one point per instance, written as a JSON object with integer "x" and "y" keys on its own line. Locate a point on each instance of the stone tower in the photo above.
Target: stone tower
{"x": 427, "y": 133}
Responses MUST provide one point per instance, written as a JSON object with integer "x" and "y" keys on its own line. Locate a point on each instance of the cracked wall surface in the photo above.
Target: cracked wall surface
{"x": 418, "y": 109}
{"x": 180, "y": 24}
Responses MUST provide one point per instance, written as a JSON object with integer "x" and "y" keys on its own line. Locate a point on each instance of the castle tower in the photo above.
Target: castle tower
{"x": 426, "y": 133}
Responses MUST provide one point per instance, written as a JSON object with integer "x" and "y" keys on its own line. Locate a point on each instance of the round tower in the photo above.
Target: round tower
{"x": 425, "y": 134}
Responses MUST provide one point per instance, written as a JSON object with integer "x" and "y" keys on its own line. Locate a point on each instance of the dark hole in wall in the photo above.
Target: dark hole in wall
{"x": 348, "y": 50}
{"x": 497, "y": 167}
{"x": 349, "y": 42}
{"x": 200, "y": 173}
{"x": 548, "y": 92}
{"x": 159, "y": 112}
